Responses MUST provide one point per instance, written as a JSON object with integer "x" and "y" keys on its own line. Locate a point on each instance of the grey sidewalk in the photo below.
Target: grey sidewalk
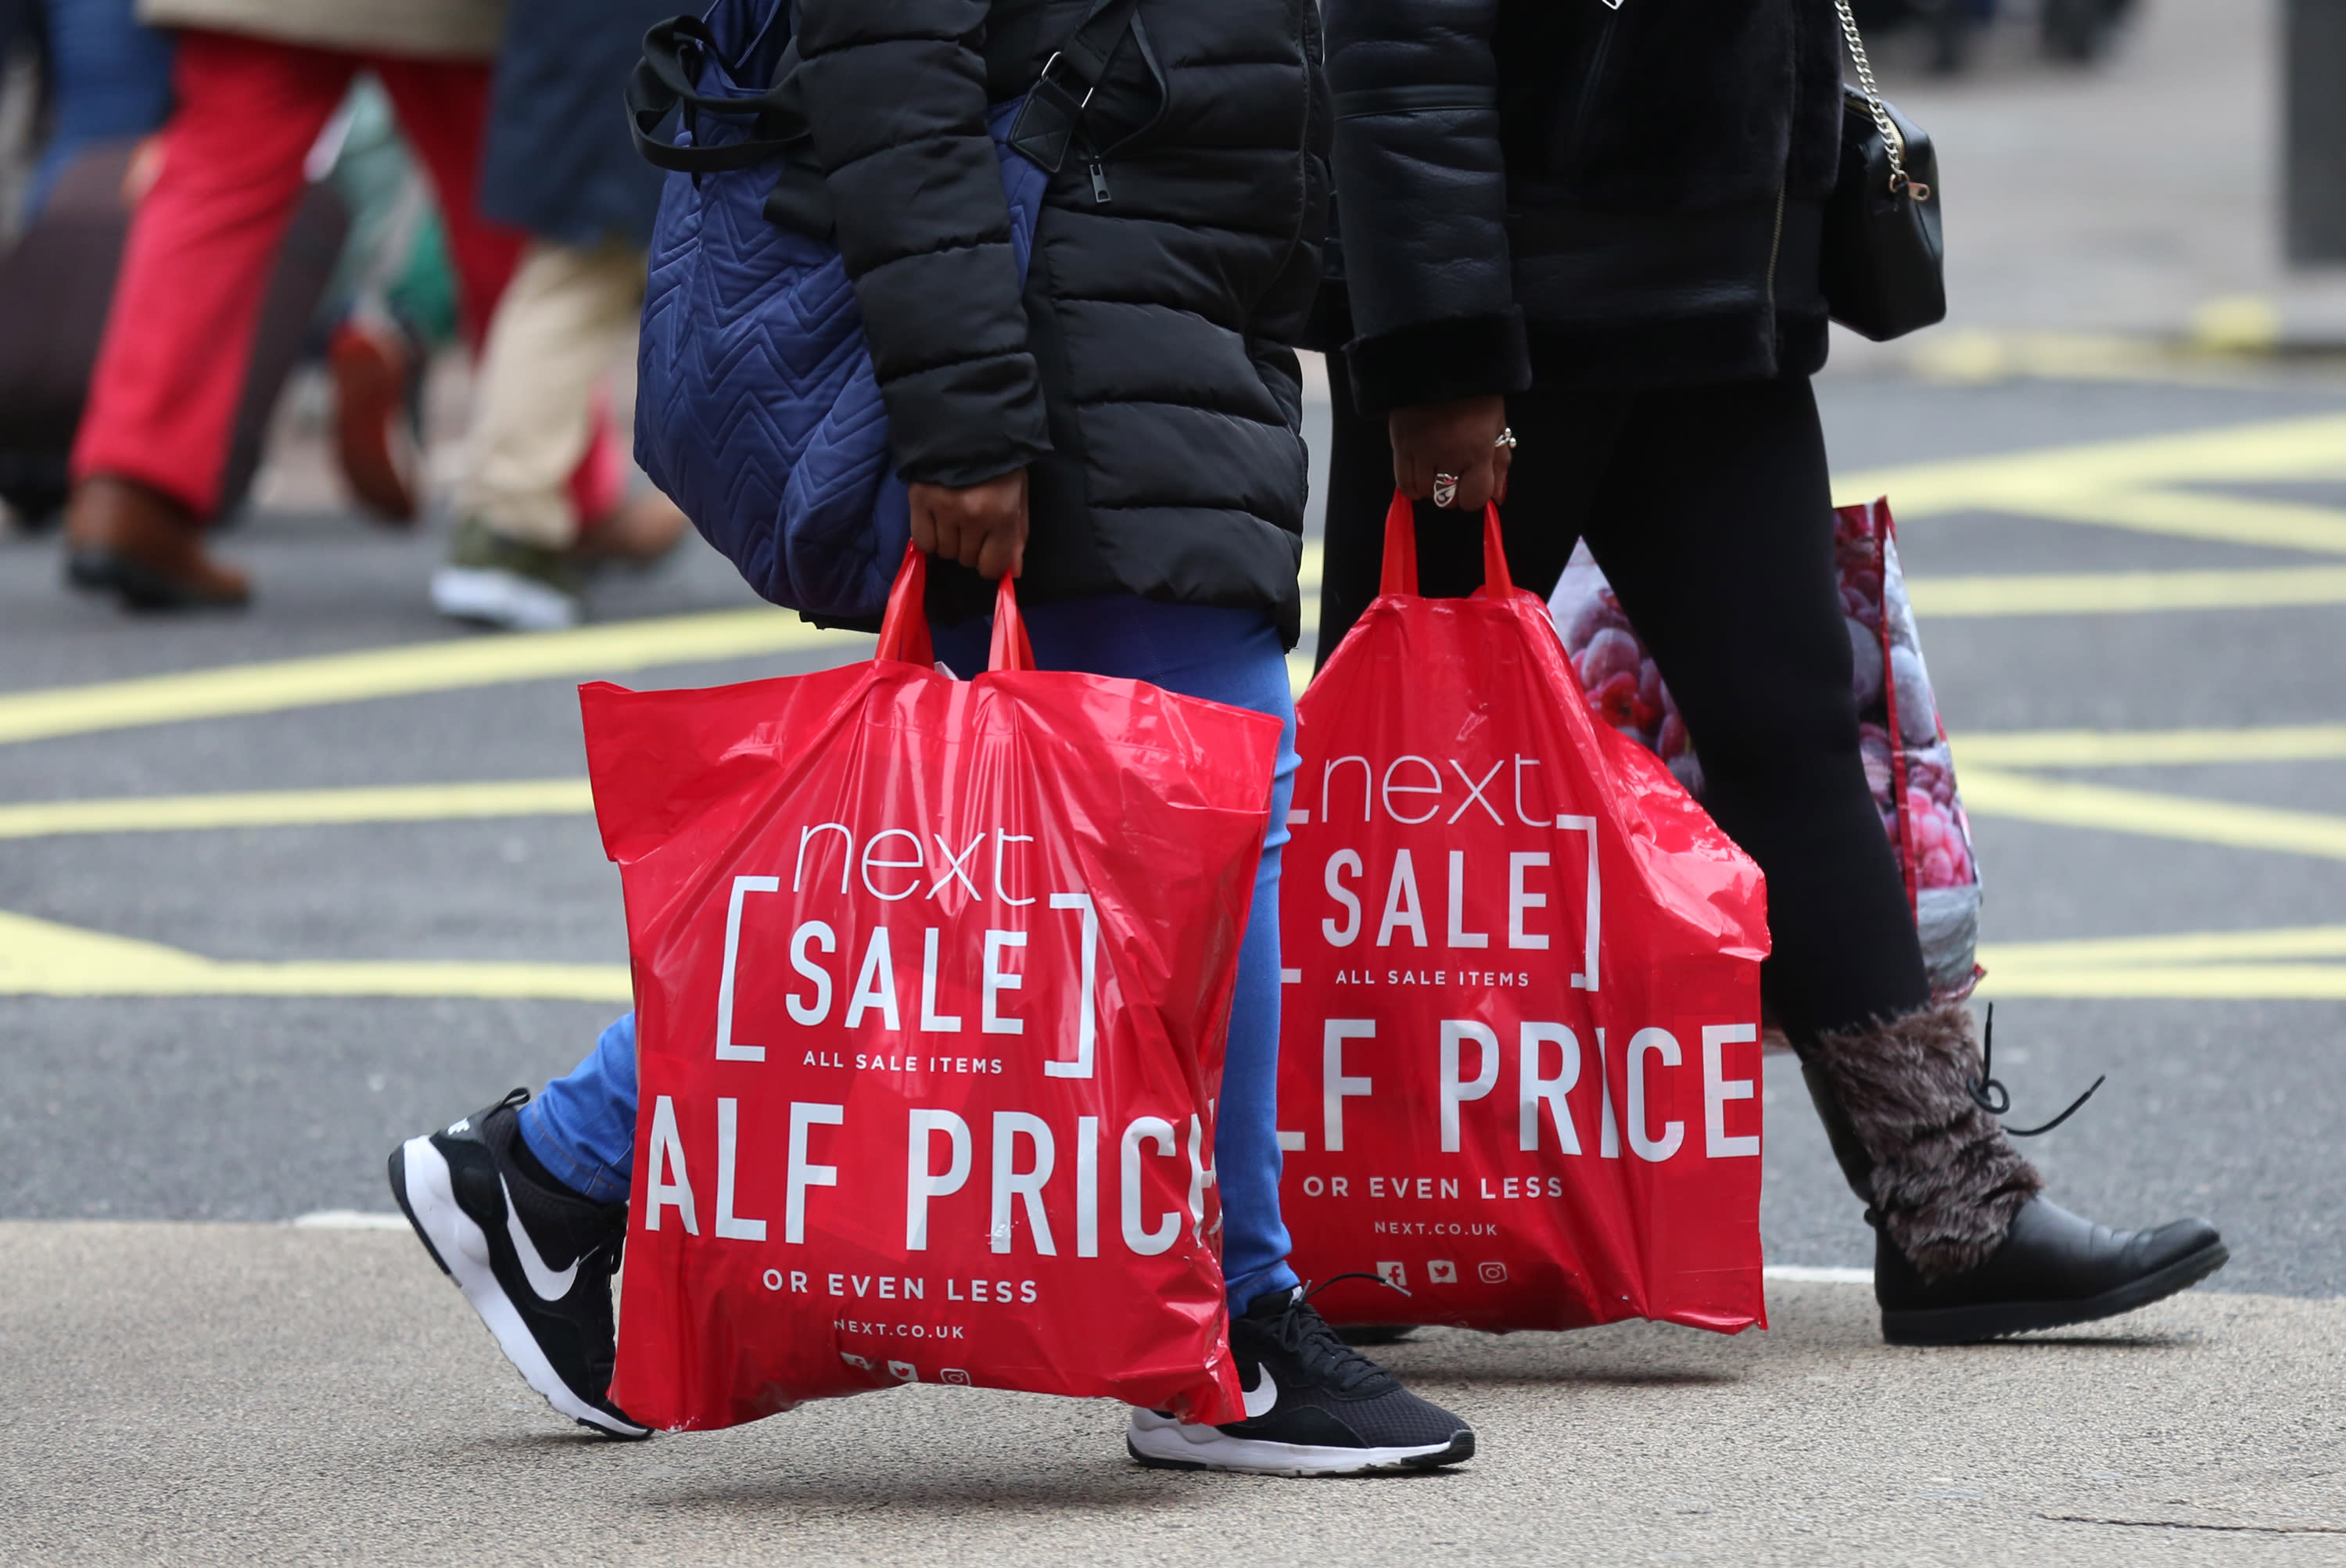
{"x": 185, "y": 1394}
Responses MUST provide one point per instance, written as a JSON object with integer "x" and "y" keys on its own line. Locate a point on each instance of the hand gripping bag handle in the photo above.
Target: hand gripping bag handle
{"x": 904, "y": 628}
{"x": 1401, "y": 551}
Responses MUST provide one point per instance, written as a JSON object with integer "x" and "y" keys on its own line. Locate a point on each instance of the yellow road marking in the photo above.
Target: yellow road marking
{"x": 43, "y": 958}
{"x": 1991, "y": 792}
{"x": 295, "y": 807}
{"x": 2309, "y": 448}
{"x": 279, "y": 683}
{"x": 1983, "y": 760}
{"x": 2124, "y": 593}
{"x": 2146, "y": 747}
{"x": 2188, "y": 515}
{"x": 1975, "y": 358}
{"x": 1975, "y": 752}
{"x": 2180, "y": 947}
{"x": 2183, "y": 966}
{"x": 2187, "y": 983}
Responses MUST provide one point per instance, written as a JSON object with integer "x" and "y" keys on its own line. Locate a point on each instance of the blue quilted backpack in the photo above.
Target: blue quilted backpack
{"x": 757, "y": 408}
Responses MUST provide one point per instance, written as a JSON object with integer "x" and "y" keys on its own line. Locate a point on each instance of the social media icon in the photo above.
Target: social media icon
{"x": 854, "y": 1360}
{"x": 1494, "y": 1273}
{"x": 903, "y": 1372}
{"x": 1442, "y": 1271}
{"x": 1393, "y": 1273}
{"x": 955, "y": 1376}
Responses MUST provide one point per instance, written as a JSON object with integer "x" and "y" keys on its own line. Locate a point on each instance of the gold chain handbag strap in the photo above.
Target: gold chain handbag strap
{"x": 1891, "y": 139}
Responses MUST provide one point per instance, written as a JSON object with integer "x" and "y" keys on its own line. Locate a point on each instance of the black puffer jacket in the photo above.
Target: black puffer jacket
{"x": 1148, "y": 376}
{"x": 1563, "y": 193}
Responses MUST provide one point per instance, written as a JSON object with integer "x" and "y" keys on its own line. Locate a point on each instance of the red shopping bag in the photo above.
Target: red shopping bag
{"x": 1520, "y": 1058}
{"x": 932, "y": 980}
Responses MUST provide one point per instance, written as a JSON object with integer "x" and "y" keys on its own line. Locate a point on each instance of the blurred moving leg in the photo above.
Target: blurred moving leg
{"x": 444, "y": 111}
{"x": 172, "y": 370}
{"x": 568, "y": 316}
{"x": 373, "y": 445}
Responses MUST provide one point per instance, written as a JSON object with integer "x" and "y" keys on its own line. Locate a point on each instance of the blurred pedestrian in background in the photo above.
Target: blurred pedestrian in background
{"x": 100, "y": 84}
{"x": 104, "y": 79}
{"x": 390, "y": 304}
{"x": 255, "y": 81}
{"x": 543, "y": 492}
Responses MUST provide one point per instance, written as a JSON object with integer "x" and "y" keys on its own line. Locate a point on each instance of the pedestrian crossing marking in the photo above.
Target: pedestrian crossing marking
{"x": 445, "y": 664}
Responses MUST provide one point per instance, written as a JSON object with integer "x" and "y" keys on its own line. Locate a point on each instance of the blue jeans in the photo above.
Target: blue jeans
{"x": 583, "y": 1128}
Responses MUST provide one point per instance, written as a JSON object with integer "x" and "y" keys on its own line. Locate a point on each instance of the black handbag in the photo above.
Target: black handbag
{"x": 1884, "y": 264}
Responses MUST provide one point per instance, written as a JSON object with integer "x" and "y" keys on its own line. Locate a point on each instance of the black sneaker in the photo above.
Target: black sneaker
{"x": 493, "y": 1230}
{"x": 1315, "y": 1406}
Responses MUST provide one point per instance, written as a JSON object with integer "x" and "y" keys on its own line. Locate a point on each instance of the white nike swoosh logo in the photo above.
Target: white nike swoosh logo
{"x": 1264, "y": 1396}
{"x": 551, "y": 1285}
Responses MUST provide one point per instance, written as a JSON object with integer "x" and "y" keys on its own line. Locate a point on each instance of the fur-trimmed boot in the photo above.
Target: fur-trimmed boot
{"x": 1966, "y": 1247}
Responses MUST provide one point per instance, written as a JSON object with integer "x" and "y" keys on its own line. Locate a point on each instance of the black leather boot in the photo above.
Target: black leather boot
{"x": 1965, "y": 1247}
{"x": 2053, "y": 1269}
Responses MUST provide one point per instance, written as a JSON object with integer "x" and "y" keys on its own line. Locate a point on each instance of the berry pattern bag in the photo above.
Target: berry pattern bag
{"x": 1907, "y": 762}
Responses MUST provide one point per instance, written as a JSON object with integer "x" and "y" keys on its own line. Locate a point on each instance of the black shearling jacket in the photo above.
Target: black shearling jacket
{"x": 1561, "y": 193}
{"x": 1147, "y": 375}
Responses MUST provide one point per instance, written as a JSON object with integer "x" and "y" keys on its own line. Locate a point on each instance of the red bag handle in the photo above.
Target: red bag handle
{"x": 1401, "y": 551}
{"x": 904, "y": 628}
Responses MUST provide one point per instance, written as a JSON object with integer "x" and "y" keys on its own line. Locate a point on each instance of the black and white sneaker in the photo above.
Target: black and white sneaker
{"x": 535, "y": 1259}
{"x": 1315, "y": 1406}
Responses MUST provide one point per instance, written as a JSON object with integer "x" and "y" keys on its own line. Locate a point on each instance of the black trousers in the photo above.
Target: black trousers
{"x": 1710, "y": 511}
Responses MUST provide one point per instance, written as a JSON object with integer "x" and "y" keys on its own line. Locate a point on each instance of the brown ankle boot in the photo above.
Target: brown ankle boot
{"x": 129, "y": 539}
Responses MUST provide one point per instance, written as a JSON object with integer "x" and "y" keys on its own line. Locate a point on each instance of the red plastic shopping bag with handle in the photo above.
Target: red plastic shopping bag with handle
{"x": 932, "y": 980}
{"x": 1520, "y": 1055}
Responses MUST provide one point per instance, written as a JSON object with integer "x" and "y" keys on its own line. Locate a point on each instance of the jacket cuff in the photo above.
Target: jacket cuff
{"x": 1437, "y": 361}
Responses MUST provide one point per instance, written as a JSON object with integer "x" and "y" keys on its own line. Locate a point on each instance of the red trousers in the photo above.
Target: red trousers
{"x": 204, "y": 239}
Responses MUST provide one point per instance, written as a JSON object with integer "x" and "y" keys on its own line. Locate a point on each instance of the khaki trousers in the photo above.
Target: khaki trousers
{"x": 567, "y": 319}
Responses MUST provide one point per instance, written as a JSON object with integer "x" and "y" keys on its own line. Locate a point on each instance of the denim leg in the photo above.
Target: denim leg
{"x": 1230, "y": 657}
{"x": 1246, "y": 1137}
{"x": 583, "y": 1127}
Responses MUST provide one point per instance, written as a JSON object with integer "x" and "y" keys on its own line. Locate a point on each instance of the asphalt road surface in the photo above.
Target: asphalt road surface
{"x": 240, "y": 1106}
{"x": 229, "y": 1008}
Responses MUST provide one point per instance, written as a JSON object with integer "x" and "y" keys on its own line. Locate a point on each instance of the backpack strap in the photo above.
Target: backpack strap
{"x": 1046, "y": 123}
{"x": 663, "y": 81}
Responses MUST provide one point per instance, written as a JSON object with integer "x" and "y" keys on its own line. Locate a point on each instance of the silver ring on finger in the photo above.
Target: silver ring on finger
{"x": 1506, "y": 437}
{"x": 1445, "y": 489}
